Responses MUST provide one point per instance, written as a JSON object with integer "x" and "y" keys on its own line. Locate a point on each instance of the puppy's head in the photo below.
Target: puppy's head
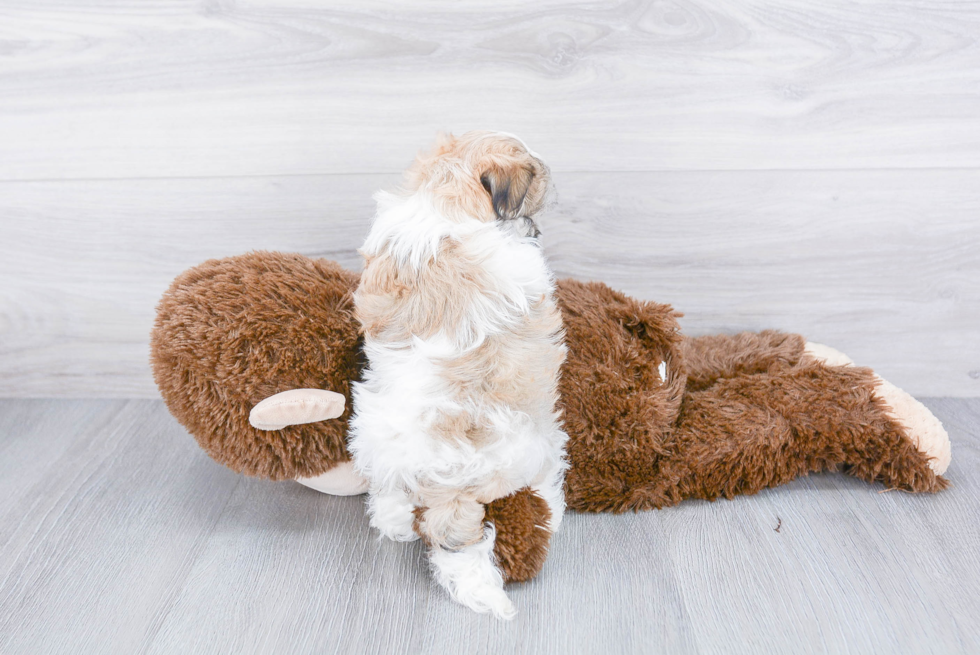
{"x": 484, "y": 175}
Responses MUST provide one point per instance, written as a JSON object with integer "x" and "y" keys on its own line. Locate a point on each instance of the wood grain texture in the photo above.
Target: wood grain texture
{"x": 884, "y": 265}
{"x": 270, "y": 87}
{"x": 103, "y": 512}
{"x": 806, "y": 165}
{"x": 118, "y": 535}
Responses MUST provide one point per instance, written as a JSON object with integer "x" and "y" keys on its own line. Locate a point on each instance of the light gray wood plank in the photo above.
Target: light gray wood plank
{"x": 177, "y": 88}
{"x": 105, "y": 507}
{"x": 884, "y": 265}
{"x": 850, "y": 571}
{"x": 125, "y": 538}
{"x": 86, "y": 263}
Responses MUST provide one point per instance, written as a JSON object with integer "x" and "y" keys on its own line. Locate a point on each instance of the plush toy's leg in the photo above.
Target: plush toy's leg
{"x": 747, "y": 433}
{"x": 712, "y": 358}
{"x": 922, "y": 426}
{"x": 522, "y": 523}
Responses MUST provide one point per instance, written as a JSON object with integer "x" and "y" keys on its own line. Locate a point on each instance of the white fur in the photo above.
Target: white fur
{"x": 402, "y": 389}
{"x": 471, "y": 577}
{"x": 391, "y": 513}
{"x": 551, "y": 487}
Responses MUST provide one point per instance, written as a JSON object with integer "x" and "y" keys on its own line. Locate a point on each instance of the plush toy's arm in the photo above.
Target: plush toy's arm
{"x": 295, "y": 407}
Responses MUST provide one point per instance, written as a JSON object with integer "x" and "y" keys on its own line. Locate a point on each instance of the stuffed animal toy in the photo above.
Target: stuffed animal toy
{"x": 653, "y": 417}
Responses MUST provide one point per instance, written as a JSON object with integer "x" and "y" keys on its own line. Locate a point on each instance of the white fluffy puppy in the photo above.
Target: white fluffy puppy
{"x": 464, "y": 345}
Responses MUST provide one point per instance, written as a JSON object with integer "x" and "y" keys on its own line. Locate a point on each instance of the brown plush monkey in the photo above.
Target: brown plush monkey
{"x": 652, "y": 417}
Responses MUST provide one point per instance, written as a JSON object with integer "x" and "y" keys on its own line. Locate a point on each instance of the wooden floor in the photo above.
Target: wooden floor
{"x": 118, "y": 535}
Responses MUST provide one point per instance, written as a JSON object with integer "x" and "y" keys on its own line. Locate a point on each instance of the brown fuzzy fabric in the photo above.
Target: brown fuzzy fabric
{"x": 234, "y": 331}
{"x": 521, "y": 546}
{"x": 736, "y": 414}
{"x": 750, "y": 416}
{"x": 618, "y": 413}
{"x": 751, "y": 432}
{"x": 709, "y": 359}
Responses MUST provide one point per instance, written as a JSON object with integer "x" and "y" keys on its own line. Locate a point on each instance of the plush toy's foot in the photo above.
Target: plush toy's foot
{"x": 522, "y": 522}
{"x": 925, "y": 430}
{"x": 922, "y": 426}
{"x": 341, "y": 480}
{"x": 471, "y": 577}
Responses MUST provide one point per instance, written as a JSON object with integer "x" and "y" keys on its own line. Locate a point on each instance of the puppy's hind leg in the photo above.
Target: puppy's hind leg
{"x": 551, "y": 487}
{"x": 392, "y": 513}
{"x": 472, "y": 578}
{"x": 461, "y": 552}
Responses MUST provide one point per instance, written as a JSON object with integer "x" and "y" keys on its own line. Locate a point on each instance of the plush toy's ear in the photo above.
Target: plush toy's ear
{"x": 298, "y": 406}
{"x": 295, "y": 407}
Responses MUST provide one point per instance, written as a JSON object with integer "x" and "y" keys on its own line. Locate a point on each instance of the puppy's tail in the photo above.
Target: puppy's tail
{"x": 471, "y": 576}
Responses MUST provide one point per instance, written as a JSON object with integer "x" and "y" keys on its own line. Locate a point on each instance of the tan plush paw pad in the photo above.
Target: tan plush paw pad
{"x": 826, "y": 355}
{"x": 925, "y": 430}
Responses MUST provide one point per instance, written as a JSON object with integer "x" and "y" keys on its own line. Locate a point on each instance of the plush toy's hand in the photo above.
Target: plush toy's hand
{"x": 295, "y": 407}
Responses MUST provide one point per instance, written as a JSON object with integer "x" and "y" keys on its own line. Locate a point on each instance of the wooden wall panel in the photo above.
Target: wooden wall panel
{"x": 174, "y": 88}
{"x": 809, "y": 165}
{"x": 881, "y": 264}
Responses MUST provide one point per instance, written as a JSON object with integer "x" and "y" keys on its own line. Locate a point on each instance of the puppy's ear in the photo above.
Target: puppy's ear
{"x": 508, "y": 187}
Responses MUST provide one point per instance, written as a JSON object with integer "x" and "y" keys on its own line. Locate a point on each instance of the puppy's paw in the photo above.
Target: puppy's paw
{"x": 452, "y": 525}
{"x": 472, "y": 578}
{"x": 393, "y": 516}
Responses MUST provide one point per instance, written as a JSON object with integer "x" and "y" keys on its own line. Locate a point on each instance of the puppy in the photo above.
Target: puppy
{"x": 464, "y": 342}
